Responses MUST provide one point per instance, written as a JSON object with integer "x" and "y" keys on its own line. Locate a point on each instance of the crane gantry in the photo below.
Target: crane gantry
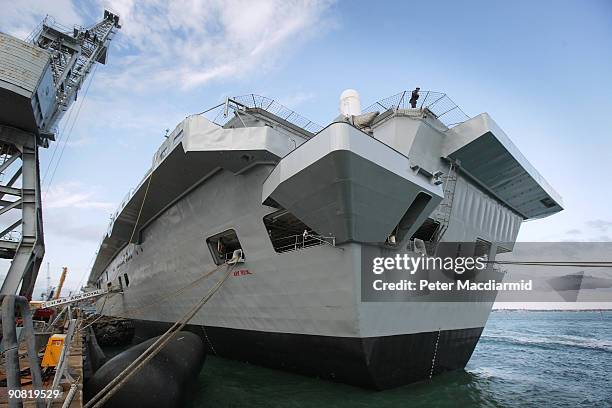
{"x": 39, "y": 80}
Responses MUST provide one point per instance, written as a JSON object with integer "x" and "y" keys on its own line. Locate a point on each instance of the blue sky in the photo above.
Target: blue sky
{"x": 541, "y": 69}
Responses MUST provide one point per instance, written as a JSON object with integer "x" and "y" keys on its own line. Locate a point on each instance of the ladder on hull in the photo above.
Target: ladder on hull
{"x": 443, "y": 214}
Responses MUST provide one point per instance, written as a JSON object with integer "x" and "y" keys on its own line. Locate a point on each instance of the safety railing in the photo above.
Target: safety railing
{"x": 224, "y": 112}
{"x": 36, "y": 31}
{"x": 438, "y": 103}
{"x": 115, "y": 215}
{"x": 49, "y": 21}
{"x": 301, "y": 241}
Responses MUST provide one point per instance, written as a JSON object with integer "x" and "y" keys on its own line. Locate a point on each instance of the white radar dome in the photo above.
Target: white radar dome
{"x": 349, "y": 103}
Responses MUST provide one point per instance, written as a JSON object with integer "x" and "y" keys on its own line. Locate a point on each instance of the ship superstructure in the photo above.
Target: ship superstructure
{"x": 302, "y": 204}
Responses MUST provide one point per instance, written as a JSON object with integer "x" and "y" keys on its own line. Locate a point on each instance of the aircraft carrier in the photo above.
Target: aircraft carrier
{"x": 296, "y": 206}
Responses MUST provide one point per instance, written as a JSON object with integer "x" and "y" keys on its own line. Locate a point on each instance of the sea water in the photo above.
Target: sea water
{"x": 523, "y": 359}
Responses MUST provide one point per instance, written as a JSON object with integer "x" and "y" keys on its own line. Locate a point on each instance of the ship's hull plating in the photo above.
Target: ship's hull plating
{"x": 380, "y": 363}
{"x": 372, "y": 362}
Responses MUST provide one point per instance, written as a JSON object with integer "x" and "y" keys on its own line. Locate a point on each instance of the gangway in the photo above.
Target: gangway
{"x": 73, "y": 299}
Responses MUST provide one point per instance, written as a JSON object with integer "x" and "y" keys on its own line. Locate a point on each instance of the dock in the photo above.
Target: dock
{"x": 72, "y": 376}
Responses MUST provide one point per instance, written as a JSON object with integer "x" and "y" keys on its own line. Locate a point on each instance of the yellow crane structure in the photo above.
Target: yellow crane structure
{"x": 57, "y": 293}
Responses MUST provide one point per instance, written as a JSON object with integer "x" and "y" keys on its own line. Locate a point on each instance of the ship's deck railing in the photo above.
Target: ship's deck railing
{"x": 301, "y": 241}
{"x": 438, "y": 103}
{"x": 115, "y": 215}
{"x": 220, "y": 114}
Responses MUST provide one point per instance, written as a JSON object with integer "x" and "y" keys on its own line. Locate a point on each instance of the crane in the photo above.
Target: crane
{"x": 72, "y": 56}
{"x": 60, "y": 285}
{"x": 39, "y": 80}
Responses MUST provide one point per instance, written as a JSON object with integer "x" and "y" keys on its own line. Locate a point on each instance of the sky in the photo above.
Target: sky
{"x": 541, "y": 69}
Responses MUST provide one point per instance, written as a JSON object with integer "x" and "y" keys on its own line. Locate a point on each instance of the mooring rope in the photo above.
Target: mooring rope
{"x": 144, "y": 198}
{"x": 166, "y": 296}
{"x": 111, "y": 388}
{"x": 174, "y": 293}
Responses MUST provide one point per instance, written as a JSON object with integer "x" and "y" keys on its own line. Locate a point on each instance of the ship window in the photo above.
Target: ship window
{"x": 288, "y": 233}
{"x": 127, "y": 280}
{"x": 223, "y": 245}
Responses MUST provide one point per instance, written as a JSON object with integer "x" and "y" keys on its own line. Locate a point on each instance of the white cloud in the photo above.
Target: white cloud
{"x": 164, "y": 47}
{"x": 62, "y": 228}
{"x": 20, "y": 18}
{"x": 188, "y": 43}
{"x": 185, "y": 43}
{"x": 73, "y": 195}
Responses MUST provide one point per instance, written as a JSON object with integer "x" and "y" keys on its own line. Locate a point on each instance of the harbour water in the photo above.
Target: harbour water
{"x": 524, "y": 359}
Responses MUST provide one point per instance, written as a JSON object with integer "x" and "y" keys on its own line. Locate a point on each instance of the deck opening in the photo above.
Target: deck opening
{"x": 427, "y": 230}
{"x": 223, "y": 245}
{"x": 288, "y": 233}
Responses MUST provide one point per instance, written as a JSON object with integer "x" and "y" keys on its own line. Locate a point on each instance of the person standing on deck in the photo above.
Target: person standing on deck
{"x": 414, "y": 97}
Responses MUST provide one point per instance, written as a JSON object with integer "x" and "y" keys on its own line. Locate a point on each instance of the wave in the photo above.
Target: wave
{"x": 553, "y": 341}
